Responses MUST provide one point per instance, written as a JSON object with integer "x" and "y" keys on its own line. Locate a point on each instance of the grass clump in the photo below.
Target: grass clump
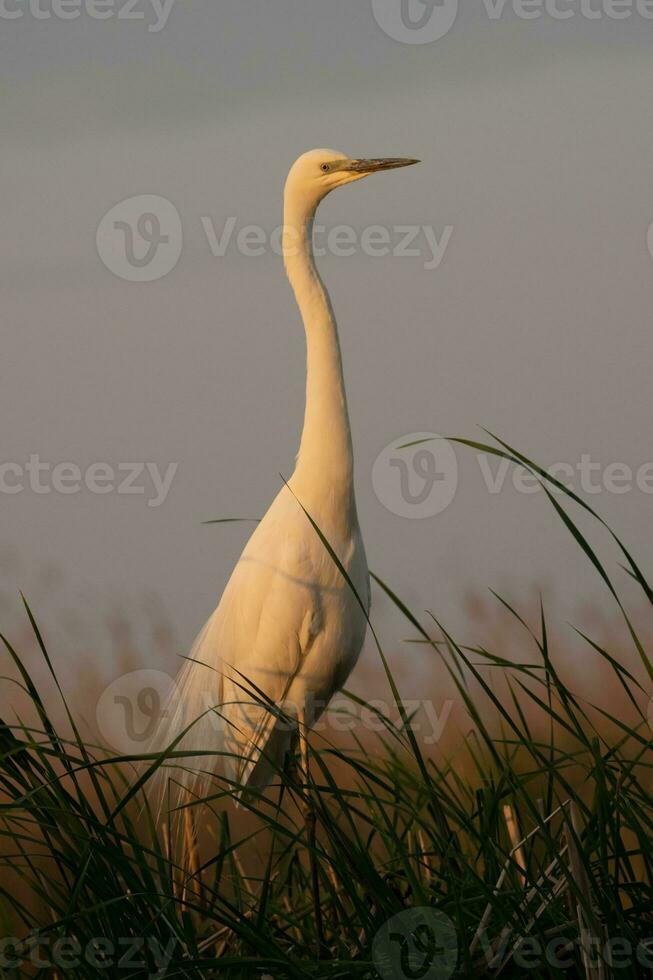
{"x": 527, "y": 852}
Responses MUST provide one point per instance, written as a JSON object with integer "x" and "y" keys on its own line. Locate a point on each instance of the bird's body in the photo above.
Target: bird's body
{"x": 289, "y": 627}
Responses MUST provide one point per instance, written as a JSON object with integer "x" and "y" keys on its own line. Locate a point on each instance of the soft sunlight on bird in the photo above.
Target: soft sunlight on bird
{"x": 289, "y": 628}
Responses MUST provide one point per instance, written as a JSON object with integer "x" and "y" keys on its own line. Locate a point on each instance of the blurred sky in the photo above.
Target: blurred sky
{"x": 536, "y": 142}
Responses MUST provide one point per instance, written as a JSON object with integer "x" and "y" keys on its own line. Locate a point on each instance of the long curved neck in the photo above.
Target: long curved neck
{"x": 325, "y": 457}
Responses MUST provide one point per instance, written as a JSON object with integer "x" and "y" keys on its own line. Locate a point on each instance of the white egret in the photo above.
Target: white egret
{"x": 288, "y": 629}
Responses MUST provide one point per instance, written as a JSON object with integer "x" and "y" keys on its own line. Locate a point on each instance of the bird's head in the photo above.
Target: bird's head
{"x": 314, "y": 174}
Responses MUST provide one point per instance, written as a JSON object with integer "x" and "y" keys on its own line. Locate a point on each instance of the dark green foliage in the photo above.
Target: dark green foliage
{"x": 83, "y": 860}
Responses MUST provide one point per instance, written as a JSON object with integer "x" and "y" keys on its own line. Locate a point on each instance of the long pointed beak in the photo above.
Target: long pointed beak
{"x": 381, "y": 163}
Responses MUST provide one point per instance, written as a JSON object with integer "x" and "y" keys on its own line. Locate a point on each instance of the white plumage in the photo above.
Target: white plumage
{"x": 288, "y": 629}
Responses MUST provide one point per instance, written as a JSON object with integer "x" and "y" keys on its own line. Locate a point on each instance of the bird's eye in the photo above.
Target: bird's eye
{"x": 324, "y": 167}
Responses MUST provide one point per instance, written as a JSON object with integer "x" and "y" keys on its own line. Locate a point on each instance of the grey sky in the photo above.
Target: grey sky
{"x": 536, "y": 143}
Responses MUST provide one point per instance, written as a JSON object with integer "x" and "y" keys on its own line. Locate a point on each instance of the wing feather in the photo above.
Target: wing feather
{"x": 245, "y": 659}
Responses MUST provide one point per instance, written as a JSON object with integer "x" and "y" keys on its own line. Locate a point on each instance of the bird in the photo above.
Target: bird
{"x": 291, "y": 622}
